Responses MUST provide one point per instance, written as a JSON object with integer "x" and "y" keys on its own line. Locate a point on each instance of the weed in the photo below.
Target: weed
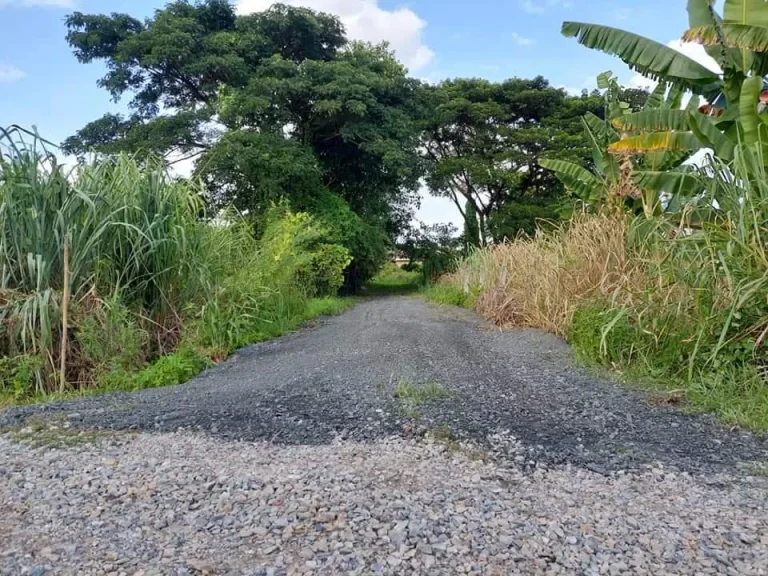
{"x": 56, "y": 432}
{"x": 418, "y": 395}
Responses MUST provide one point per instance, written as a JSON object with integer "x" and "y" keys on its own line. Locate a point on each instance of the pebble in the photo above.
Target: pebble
{"x": 187, "y": 504}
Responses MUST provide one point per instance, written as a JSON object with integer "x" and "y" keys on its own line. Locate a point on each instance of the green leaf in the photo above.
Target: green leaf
{"x": 576, "y": 178}
{"x": 706, "y": 131}
{"x": 648, "y": 57}
{"x": 656, "y": 98}
{"x": 751, "y": 12}
{"x": 701, "y": 14}
{"x": 657, "y": 141}
{"x": 654, "y": 120}
{"x": 750, "y": 92}
{"x": 600, "y": 128}
{"x": 675, "y": 183}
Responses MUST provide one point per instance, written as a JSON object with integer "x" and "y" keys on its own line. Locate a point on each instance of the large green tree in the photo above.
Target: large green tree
{"x": 483, "y": 139}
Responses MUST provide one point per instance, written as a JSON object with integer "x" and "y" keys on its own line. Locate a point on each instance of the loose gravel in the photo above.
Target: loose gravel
{"x": 338, "y": 380}
{"x": 187, "y": 504}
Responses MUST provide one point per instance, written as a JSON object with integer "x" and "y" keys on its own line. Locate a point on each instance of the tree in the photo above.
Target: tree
{"x": 471, "y": 235}
{"x": 275, "y": 106}
{"x": 609, "y": 175}
{"x": 482, "y": 141}
{"x": 355, "y": 112}
{"x": 175, "y": 63}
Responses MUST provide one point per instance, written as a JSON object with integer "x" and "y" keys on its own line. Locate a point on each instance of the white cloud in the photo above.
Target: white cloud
{"x": 9, "y": 73}
{"x": 366, "y": 20}
{"x": 539, "y": 6}
{"x": 522, "y": 40}
{"x": 51, "y": 3}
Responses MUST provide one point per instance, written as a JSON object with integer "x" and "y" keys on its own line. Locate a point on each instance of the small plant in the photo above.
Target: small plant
{"x": 413, "y": 396}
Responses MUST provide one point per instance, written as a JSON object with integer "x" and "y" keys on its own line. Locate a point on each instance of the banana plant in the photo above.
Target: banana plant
{"x": 736, "y": 96}
{"x": 651, "y": 173}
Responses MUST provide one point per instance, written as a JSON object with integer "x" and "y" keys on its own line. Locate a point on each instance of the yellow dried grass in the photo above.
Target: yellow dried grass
{"x": 539, "y": 282}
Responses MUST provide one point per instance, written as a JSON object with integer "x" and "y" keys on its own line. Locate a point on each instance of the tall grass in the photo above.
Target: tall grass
{"x": 539, "y": 281}
{"x": 679, "y": 304}
{"x": 109, "y": 265}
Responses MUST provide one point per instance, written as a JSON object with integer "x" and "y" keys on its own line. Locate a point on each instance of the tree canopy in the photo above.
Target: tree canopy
{"x": 483, "y": 141}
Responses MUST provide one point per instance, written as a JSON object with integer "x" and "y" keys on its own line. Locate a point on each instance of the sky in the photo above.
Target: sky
{"x": 43, "y": 85}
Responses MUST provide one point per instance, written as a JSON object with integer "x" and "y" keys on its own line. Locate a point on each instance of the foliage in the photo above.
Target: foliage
{"x": 677, "y": 306}
{"x": 732, "y": 113}
{"x": 274, "y": 105}
{"x": 146, "y": 270}
{"x": 435, "y": 247}
{"x": 392, "y": 279}
{"x": 618, "y": 179}
{"x": 482, "y": 141}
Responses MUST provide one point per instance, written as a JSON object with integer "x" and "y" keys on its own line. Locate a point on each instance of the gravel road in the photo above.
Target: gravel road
{"x": 306, "y": 455}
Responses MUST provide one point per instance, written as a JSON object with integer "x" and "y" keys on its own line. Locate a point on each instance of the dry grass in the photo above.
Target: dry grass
{"x": 539, "y": 282}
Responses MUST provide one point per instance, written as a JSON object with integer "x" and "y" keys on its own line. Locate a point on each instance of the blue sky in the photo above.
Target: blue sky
{"x": 42, "y": 84}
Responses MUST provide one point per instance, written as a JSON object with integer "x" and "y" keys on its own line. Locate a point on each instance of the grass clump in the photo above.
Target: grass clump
{"x": 414, "y": 396}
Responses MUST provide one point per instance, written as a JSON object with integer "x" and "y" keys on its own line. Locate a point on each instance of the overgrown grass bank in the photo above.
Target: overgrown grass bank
{"x": 679, "y": 306}
{"x": 114, "y": 277}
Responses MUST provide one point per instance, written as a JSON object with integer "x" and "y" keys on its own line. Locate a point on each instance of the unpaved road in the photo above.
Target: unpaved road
{"x": 296, "y": 456}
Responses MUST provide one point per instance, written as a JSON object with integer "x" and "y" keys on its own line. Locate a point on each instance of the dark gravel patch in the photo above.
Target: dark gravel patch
{"x": 338, "y": 379}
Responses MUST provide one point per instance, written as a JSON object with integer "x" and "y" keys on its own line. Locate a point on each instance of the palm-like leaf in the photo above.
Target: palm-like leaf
{"x": 648, "y": 57}
{"x": 750, "y": 12}
{"x": 701, "y": 14}
{"x": 657, "y": 141}
{"x": 653, "y": 120}
{"x": 679, "y": 184}
{"x": 743, "y": 36}
{"x": 578, "y": 179}
{"x": 706, "y": 131}
{"x": 750, "y": 92}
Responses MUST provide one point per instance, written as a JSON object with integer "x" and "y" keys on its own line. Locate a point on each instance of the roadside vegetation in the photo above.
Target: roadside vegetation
{"x": 663, "y": 274}
{"x": 114, "y": 276}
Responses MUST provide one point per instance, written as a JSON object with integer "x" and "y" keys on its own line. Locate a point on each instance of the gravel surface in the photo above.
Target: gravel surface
{"x": 183, "y": 504}
{"x": 337, "y": 380}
